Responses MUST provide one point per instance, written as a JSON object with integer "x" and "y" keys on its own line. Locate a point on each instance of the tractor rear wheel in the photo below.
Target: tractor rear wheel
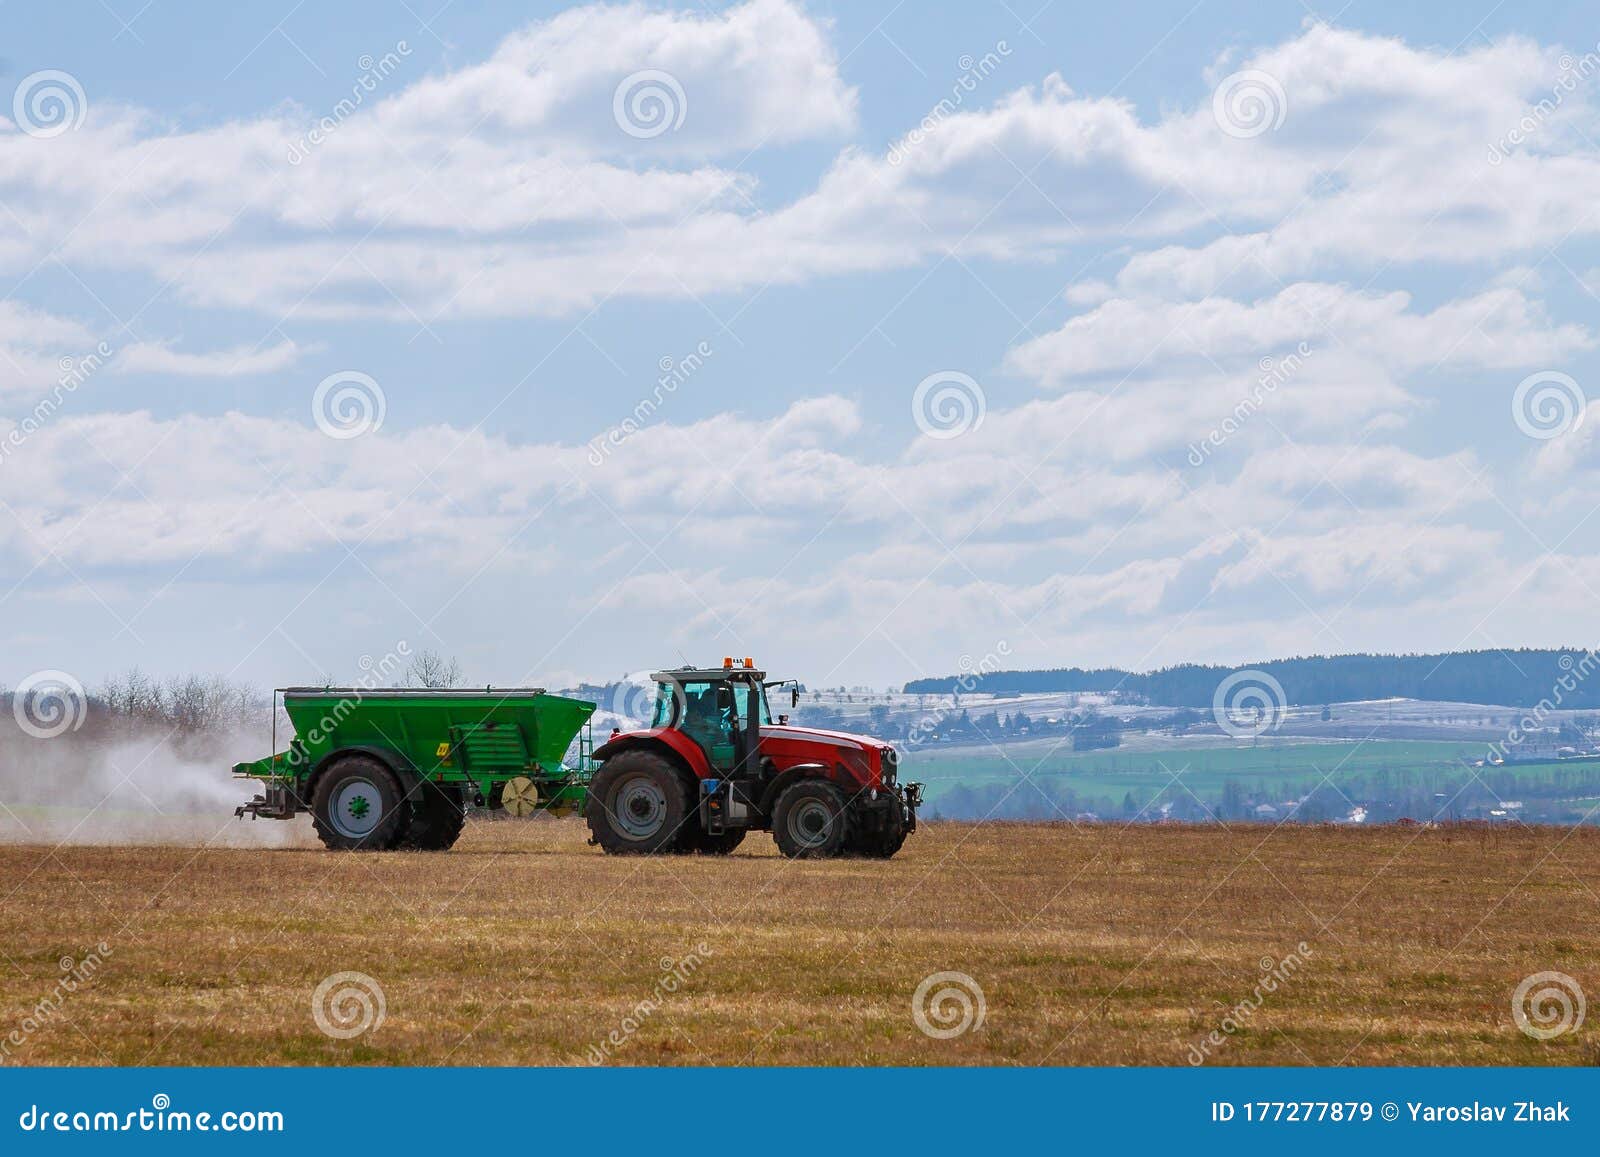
{"x": 438, "y": 813}
{"x": 358, "y": 806}
{"x": 811, "y": 821}
{"x": 639, "y": 803}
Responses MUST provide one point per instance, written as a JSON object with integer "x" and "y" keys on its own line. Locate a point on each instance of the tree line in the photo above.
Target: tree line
{"x": 1520, "y": 678}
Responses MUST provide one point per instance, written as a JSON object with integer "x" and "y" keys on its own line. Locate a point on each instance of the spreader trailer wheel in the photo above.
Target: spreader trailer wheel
{"x": 358, "y": 806}
{"x": 438, "y": 814}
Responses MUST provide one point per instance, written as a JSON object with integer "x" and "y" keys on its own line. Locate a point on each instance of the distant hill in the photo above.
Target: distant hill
{"x": 1568, "y": 678}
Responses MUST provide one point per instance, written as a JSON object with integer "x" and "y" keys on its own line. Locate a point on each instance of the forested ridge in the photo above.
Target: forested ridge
{"x": 1521, "y": 678}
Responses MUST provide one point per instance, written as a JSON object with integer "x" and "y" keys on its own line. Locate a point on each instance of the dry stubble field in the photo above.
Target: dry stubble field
{"x": 1100, "y": 945}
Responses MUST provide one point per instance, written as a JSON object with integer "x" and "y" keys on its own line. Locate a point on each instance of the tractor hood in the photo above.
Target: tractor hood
{"x": 818, "y": 735}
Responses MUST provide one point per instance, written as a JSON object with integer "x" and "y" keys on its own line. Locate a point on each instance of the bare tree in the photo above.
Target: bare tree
{"x": 431, "y": 669}
{"x": 188, "y": 704}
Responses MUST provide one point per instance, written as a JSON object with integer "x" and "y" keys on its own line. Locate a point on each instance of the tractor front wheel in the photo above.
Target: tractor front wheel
{"x": 638, "y": 803}
{"x": 358, "y": 806}
{"x": 883, "y": 843}
{"x": 811, "y": 821}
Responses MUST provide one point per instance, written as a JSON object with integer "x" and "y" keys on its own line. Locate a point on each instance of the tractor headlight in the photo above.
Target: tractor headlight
{"x": 891, "y": 765}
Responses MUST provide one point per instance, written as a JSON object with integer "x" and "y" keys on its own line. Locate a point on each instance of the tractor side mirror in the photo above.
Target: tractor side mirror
{"x": 794, "y": 695}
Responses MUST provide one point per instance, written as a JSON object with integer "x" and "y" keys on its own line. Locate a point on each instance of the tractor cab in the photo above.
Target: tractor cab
{"x": 722, "y": 709}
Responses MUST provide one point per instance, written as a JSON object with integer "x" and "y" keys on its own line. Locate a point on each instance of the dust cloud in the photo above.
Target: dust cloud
{"x": 140, "y": 788}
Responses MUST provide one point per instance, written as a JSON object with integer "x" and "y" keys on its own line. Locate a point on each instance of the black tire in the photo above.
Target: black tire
{"x": 358, "y": 806}
{"x": 438, "y": 813}
{"x": 639, "y": 804}
{"x": 883, "y": 843}
{"x": 811, "y": 821}
{"x": 717, "y": 845}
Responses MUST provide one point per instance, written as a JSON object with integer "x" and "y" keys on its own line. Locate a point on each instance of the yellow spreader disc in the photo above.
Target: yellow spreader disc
{"x": 519, "y": 796}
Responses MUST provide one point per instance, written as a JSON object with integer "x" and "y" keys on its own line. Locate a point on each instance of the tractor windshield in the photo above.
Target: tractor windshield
{"x": 706, "y": 706}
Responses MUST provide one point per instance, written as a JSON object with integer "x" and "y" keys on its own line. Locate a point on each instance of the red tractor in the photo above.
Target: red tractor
{"x": 713, "y": 765}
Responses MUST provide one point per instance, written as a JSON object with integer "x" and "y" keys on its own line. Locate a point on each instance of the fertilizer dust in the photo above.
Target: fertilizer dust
{"x": 133, "y": 789}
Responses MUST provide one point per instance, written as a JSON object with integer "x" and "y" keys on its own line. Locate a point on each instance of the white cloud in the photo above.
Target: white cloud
{"x": 1075, "y": 522}
{"x": 1496, "y": 329}
{"x": 490, "y": 153}
{"x": 161, "y": 358}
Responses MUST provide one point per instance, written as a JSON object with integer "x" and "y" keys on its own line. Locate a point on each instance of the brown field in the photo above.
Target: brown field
{"x": 1101, "y": 945}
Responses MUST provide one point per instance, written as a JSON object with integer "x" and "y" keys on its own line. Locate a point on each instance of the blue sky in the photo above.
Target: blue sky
{"x": 1249, "y": 387}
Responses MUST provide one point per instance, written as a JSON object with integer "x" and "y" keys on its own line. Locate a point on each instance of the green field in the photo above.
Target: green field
{"x": 1202, "y": 768}
{"x": 1274, "y": 770}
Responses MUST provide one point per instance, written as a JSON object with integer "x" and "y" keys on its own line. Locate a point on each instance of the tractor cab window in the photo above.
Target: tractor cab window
{"x": 741, "y": 696}
{"x": 666, "y": 714}
{"x": 703, "y": 711}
